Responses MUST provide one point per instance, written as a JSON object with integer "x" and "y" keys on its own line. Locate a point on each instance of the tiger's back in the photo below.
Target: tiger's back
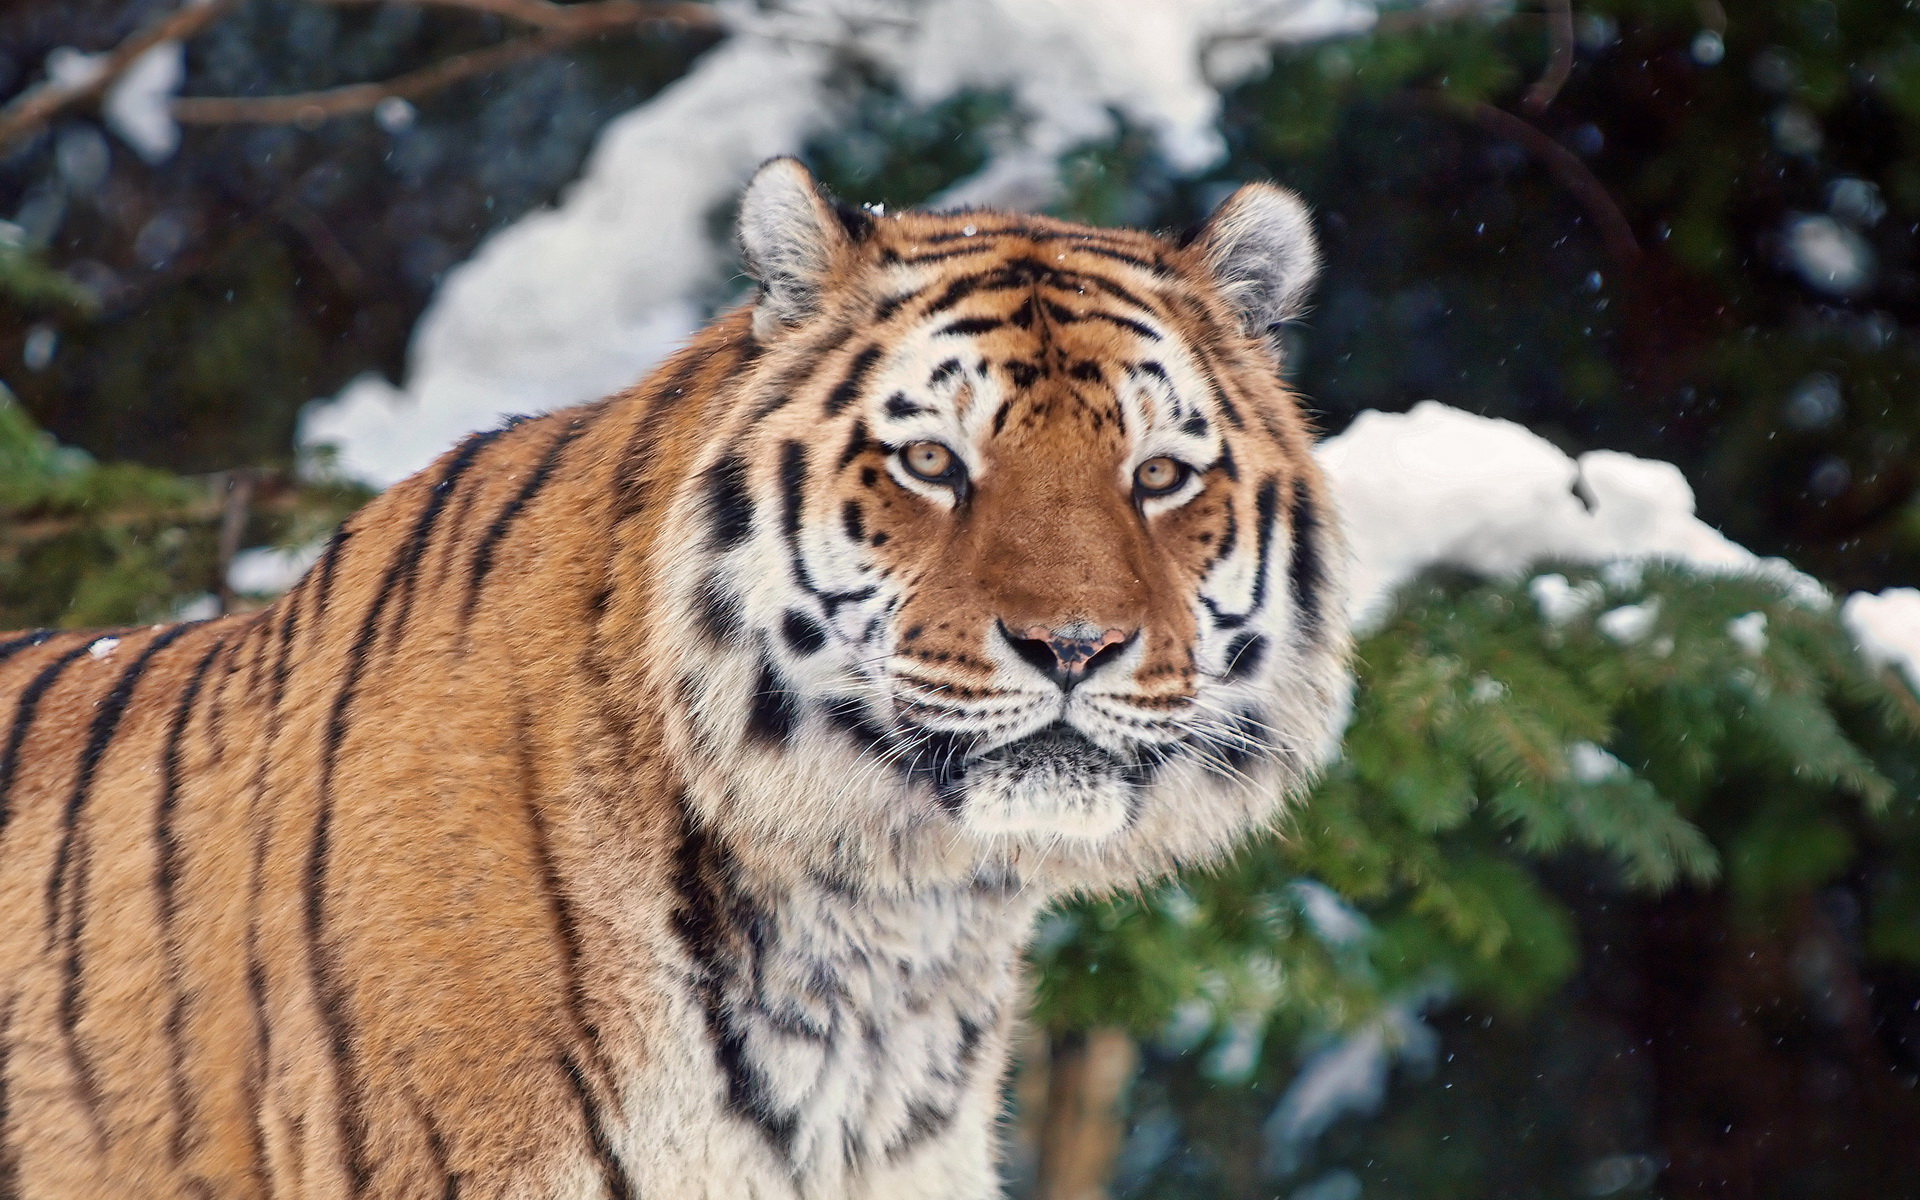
{"x": 556, "y": 834}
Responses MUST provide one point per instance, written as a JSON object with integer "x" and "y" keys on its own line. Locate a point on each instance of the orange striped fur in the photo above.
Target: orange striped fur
{"x": 652, "y": 798}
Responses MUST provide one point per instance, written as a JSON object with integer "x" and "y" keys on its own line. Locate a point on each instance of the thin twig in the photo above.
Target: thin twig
{"x": 311, "y": 108}
{"x": 233, "y": 527}
{"x": 33, "y": 108}
{"x": 544, "y": 15}
{"x": 1566, "y": 168}
{"x": 1559, "y": 59}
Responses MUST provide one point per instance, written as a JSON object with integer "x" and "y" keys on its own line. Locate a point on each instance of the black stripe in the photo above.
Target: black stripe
{"x": 899, "y": 407}
{"x": 437, "y": 1151}
{"x": 638, "y": 462}
{"x": 510, "y": 512}
{"x": 165, "y": 876}
{"x": 793, "y": 479}
{"x": 9, "y": 1165}
{"x": 24, "y": 642}
{"x": 406, "y": 572}
{"x": 924, "y": 1122}
{"x": 1243, "y": 656}
{"x": 106, "y": 719}
{"x": 1266, "y": 509}
{"x": 802, "y": 633}
{"x": 326, "y": 987}
{"x": 1127, "y": 323}
{"x": 892, "y": 304}
{"x": 943, "y": 255}
{"x": 1307, "y": 573}
{"x": 969, "y": 325}
{"x": 858, "y": 442}
{"x": 717, "y": 610}
{"x": 775, "y": 710}
{"x": 612, "y": 1174}
{"x": 730, "y": 507}
{"x": 1147, "y": 265}
{"x": 719, "y": 925}
{"x": 23, "y": 721}
{"x": 848, "y": 389}
{"x": 562, "y": 911}
{"x": 328, "y": 562}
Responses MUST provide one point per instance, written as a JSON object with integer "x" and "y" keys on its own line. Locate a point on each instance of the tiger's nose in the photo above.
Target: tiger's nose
{"x": 1070, "y": 654}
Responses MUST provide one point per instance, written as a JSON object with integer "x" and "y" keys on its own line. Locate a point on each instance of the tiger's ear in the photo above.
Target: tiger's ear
{"x": 1259, "y": 245}
{"x": 791, "y": 234}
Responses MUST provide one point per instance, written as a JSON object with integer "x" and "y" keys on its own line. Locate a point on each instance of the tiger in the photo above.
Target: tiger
{"x": 655, "y": 798}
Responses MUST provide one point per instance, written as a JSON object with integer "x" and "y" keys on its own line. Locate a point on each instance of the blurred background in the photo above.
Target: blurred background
{"x": 1593, "y": 905}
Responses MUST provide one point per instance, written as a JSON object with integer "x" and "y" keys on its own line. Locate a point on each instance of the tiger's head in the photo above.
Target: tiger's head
{"x": 1011, "y": 554}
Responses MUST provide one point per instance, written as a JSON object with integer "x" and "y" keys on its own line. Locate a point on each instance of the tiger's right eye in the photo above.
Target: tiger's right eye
{"x": 930, "y": 461}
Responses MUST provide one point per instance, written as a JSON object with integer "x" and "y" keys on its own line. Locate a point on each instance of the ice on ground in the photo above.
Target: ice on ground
{"x": 1437, "y": 486}
{"x": 580, "y": 300}
{"x": 1886, "y": 628}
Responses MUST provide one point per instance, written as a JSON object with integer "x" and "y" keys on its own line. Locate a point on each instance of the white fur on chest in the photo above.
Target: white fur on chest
{"x": 829, "y": 1043}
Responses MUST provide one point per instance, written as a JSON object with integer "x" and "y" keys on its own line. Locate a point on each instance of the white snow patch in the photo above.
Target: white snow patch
{"x": 1348, "y": 1076}
{"x": 1886, "y": 628}
{"x": 1560, "y": 601}
{"x": 1334, "y": 921}
{"x": 102, "y": 647}
{"x": 269, "y": 570}
{"x": 1630, "y": 622}
{"x": 1439, "y": 486}
{"x": 1749, "y": 632}
{"x": 1592, "y": 764}
{"x": 139, "y": 105}
{"x": 71, "y": 68}
{"x": 578, "y": 301}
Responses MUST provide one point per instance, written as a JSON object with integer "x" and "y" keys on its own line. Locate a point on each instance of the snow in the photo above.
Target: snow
{"x": 1591, "y": 764}
{"x": 1349, "y": 1075}
{"x": 1749, "y": 632}
{"x": 1886, "y": 628}
{"x": 268, "y": 571}
{"x": 102, "y": 647}
{"x": 1560, "y": 601}
{"x": 1437, "y": 486}
{"x": 138, "y": 106}
{"x": 578, "y": 301}
{"x": 1630, "y": 622}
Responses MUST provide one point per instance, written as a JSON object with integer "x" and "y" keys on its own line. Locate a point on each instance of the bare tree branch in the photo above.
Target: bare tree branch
{"x": 33, "y": 108}
{"x": 581, "y": 21}
{"x": 1565, "y": 167}
{"x": 1560, "y": 57}
{"x": 545, "y": 15}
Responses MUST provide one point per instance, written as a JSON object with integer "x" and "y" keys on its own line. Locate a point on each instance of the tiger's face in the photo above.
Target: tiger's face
{"x": 1013, "y": 552}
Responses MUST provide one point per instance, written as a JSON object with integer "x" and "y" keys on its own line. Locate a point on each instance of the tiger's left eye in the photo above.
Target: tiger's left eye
{"x": 1158, "y": 476}
{"x": 930, "y": 461}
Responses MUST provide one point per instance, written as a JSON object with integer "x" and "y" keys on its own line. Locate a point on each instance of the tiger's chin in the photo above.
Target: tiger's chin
{"x": 1053, "y": 784}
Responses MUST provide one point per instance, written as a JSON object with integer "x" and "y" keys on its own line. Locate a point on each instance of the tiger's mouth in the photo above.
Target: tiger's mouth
{"x": 1054, "y": 782}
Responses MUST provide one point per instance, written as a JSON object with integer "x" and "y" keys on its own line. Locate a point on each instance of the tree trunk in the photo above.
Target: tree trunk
{"x": 1085, "y": 1122}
